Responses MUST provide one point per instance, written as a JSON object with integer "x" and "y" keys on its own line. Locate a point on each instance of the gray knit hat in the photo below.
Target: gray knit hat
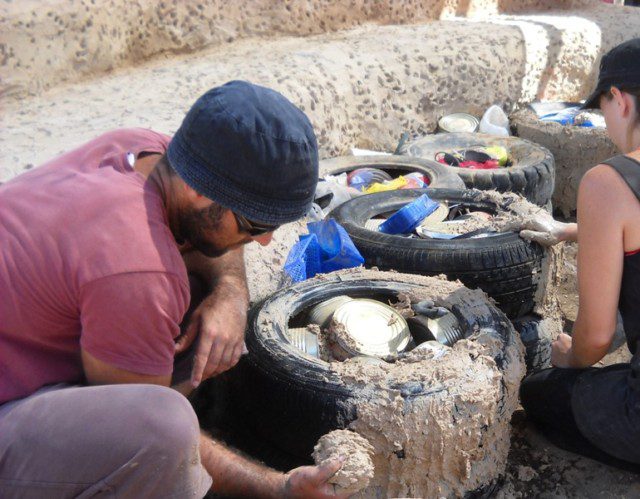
{"x": 249, "y": 149}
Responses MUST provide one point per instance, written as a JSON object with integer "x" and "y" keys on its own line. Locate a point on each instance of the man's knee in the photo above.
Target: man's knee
{"x": 167, "y": 425}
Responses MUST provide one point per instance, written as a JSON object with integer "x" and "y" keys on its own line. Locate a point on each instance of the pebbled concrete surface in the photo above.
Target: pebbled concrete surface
{"x": 43, "y": 43}
{"x": 362, "y": 87}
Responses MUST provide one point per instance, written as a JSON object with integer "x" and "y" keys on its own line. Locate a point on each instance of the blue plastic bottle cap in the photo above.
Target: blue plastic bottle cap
{"x": 409, "y": 217}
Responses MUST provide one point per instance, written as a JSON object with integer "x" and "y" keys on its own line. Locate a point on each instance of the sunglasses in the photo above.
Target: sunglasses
{"x": 253, "y": 228}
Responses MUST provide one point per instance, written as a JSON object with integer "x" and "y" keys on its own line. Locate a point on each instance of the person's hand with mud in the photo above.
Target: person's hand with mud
{"x": 312, "y": 482}
{"x": 545, "y": 230}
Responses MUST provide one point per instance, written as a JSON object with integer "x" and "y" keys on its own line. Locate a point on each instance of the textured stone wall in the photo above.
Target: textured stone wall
{"x": 575, "y": 150}
{"x": 44, "y": 42}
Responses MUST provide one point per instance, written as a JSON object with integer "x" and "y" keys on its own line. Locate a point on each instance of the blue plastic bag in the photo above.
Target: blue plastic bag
{"x": 326, "y": 248}
{"x": 564, "y": 117}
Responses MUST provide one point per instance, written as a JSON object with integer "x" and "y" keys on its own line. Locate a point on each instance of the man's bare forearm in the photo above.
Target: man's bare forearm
{"x": 219, "y": 272}
{"x": 236, "y": 476}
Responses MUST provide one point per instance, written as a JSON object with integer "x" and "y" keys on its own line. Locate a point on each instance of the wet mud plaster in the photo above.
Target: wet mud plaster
{"x": 357, "y": 470}
{"x": 438, "y": 421}
{"x": 516, "y": 213}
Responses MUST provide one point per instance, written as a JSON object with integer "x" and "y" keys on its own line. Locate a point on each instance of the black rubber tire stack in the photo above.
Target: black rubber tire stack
{"x": 504, "y": 265}
{"x": 291, "y": 399}
{"x": 532, "y": 174}
{"x": 536, "y": 339}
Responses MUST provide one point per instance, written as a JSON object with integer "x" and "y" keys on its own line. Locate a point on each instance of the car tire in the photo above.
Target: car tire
{"x": 291, "y": 399}
{"x": 532, "y": 175}
{"x": 536, "y": 335}
{"x": 439, "y": 175}
{"x": 505, "y": 266}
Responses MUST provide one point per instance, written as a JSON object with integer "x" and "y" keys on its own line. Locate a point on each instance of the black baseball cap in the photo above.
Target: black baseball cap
{"x": 620, "y": 67}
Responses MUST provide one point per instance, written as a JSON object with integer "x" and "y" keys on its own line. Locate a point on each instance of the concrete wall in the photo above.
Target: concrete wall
{"x": 45, "y": 42}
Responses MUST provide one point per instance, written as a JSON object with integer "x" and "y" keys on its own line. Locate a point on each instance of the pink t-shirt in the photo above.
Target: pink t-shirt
{"x": 87, "y": 260}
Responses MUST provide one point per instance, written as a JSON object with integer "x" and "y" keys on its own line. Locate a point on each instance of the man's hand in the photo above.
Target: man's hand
{"x": 219, "y": 323}
{"x": 312, "y": 481}
{"x": 561, "y": 351}
{"x": 220, "y": 320}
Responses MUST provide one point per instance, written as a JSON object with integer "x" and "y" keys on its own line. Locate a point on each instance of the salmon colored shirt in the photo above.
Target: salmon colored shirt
{"x": 87, "y": 260}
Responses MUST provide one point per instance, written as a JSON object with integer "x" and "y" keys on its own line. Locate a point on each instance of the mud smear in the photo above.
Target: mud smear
{"x": 549, "y": 279}
{"x": 438, "y": 421}
{"x": 357, "y": 470}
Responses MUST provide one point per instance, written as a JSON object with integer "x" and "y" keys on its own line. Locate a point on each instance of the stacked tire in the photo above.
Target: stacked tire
{"x": 532, "y": 174}
{"x": 290, "y": 399}
{"x": 503, "y": 265}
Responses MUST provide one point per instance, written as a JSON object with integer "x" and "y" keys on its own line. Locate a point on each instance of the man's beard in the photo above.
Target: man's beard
{"x": 195, "y": 224}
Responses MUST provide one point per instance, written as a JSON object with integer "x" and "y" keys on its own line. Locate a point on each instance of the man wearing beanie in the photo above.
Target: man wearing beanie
{"x": 102, "y": 251}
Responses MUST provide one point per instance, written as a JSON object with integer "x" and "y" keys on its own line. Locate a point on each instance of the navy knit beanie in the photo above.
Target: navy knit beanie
{"x": 249, "y": 149}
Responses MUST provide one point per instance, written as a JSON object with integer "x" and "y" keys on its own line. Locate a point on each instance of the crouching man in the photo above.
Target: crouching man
{"x": 96, "y": 250}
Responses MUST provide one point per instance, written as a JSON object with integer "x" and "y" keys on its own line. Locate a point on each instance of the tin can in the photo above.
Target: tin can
{"x": 446, "y": 329}
{"x": 369, "y": 327}
{"x": 305, "y": 340}
{"x": 458, "y": 122}
{"x": 321, "y": 314}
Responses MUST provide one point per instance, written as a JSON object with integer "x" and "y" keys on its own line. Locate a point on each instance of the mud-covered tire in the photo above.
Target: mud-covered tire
{"x": 291, "y": 399}
{"x": 532, "y": 174}
{"x": 439, "y": 175}
{"x": 537, "y": 336}
{"x": 505, "y": 266}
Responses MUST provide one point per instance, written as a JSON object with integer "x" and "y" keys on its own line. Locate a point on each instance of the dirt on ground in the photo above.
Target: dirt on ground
{"x": 535, "y": 467}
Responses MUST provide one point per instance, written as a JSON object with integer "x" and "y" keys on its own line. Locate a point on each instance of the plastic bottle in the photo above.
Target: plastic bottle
{"x": 495, "y": 122}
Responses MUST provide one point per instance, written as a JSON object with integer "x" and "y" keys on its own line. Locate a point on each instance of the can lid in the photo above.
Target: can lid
{"x": 321, "y": 314}
{"x": 409, "y": 216}
{"x": 458, "y": 122}
{"x": 370, "y": 327}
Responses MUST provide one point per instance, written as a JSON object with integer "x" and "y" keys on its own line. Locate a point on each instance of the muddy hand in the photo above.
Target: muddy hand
{"x": 543, "y": 230}
{"x": 219, "y": 324}
{"x": 311, "y": 482}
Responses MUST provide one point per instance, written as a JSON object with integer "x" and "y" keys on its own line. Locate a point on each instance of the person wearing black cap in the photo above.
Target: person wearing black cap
{"x": 98, "y": 249}
{"x": 584, "y": 409}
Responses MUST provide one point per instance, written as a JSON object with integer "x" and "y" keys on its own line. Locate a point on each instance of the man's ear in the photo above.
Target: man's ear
{"x": 191, "y": 193}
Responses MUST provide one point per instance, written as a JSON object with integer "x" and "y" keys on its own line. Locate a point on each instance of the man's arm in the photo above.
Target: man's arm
{"x": 233, "y": 474}
{"x": 219, "y": 321}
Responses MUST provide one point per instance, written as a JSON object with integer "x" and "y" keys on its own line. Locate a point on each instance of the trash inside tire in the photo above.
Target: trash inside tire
{"x": 504, "y": 265}
{"x": 439, "y": 423}
{"x": 438, "y": 175}
{"x": 532, "y": 174}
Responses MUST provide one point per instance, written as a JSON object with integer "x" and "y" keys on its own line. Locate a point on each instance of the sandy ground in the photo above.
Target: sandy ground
{"x": 535, "y": 467}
